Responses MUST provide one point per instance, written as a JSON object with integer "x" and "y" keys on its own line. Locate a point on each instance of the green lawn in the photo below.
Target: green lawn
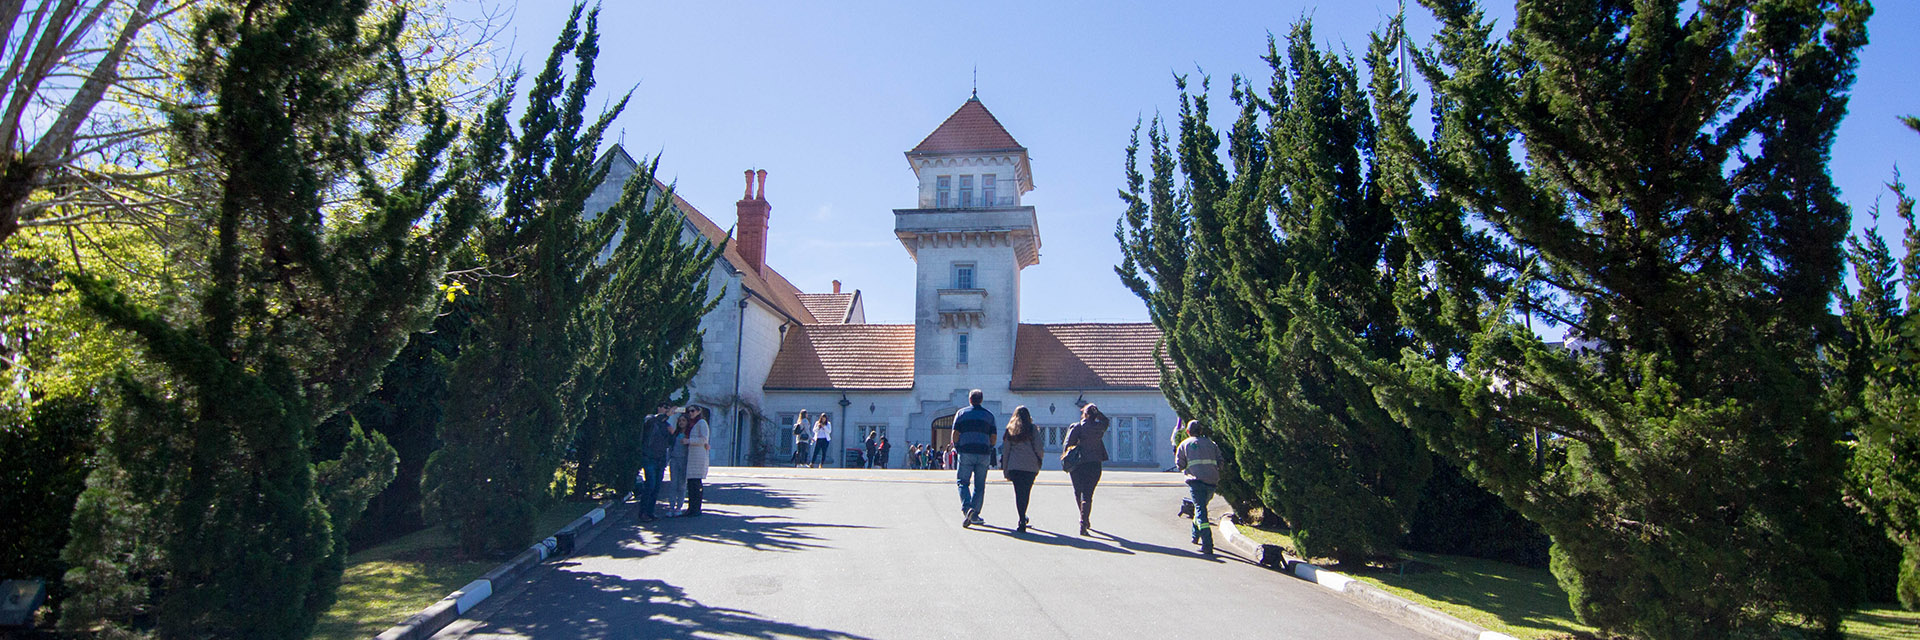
{"x": 1528, "y": 603}
{"x": 385, "y": 584}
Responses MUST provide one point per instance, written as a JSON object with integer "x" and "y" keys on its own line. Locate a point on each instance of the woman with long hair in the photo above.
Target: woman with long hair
{"x": 696, "y": 440}
{"x": 802, "y": 434}
{"x": 1086, "y": 449}
{"x": 822, "y": 440}
{"x": 1021, "y": 463}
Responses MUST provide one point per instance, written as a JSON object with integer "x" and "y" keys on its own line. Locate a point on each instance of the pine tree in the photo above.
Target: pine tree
{"x": 1674, "y": 208}
{"x": 1303, "y": 213}
{"x": 1879, "y": 358}
{"x": 508, "y": 420}
{"x": 645, "y": 330}
{"x": 208, "y": 515}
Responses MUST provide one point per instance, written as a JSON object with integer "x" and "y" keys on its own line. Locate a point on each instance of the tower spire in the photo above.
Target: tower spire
{"x": 976, "y": 81}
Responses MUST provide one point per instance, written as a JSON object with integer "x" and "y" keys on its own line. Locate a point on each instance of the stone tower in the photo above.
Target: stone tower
{"x": 970, "y": 237}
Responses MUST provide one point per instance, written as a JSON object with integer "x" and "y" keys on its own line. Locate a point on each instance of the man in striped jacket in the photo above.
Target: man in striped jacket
{"x": 973, "y": 442}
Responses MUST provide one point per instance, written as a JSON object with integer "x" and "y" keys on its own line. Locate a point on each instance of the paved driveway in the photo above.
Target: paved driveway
{"x": 836, "y": 554}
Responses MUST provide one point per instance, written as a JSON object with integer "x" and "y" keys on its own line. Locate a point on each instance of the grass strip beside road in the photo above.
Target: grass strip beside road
{"x": 385, "y": 584}
{"x": 1528, "y": 603}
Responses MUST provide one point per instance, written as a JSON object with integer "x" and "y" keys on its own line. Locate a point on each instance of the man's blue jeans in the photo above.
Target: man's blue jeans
{"x": 974, "y": 466}
{"x": 651, "y": 471}
{"x": 1202, "y": 494}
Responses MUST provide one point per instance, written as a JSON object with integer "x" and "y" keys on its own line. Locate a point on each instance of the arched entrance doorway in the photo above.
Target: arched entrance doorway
{"x": 942, "y": 431}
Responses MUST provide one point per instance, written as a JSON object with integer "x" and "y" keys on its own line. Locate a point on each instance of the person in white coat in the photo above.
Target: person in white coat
{"x": 697, "y": 442}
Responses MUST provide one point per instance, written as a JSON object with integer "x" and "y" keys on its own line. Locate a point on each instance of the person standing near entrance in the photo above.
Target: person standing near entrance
{"x": 656, "y": 439}
{"x": 802, "y": 434}
{"x": 1199, "y": 457}
{"x": 1085, "y": 450}
{"x": 1021, "y": 462}
{"x": 972, "y": 443}
{"x": 697, "y": 442}
{"x": 822, "y": 440}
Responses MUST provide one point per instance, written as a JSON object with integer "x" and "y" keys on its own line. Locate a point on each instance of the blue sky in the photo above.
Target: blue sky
{"x": 828, "y": 96}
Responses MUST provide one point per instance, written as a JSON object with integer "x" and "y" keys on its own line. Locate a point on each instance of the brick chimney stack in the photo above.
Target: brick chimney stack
{"x": 751, "y": 229}
{"x": 836, "y": 286}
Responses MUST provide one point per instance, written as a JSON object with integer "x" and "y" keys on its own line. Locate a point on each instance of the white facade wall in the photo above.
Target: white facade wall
{"x": 908, "y": 418}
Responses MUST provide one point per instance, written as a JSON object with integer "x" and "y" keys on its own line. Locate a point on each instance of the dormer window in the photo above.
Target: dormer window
{"x": 942, "y": 191}
{"x": 987, "y": 184}
{"x": 966, "y": 192}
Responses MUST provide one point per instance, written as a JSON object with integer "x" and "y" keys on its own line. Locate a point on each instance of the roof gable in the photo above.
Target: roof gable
{"x": 970, "y": 128}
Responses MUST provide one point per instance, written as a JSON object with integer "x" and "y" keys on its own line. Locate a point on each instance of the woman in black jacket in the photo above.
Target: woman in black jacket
{"x": 1085, "y": 450}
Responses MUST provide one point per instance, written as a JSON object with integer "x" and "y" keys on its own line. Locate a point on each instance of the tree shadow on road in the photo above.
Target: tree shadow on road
{"x": 722, "y": 522}
{"x": 598, "y": 605}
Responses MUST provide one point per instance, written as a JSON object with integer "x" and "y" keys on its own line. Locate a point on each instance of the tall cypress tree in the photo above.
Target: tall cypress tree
{"x": 1672, "y": 207}
{"x": 644, "y": 327}
{"x": 1879, "y": 356}
{"x": 508, "y": 422}
{"x": 209, "y": 516}
{"x": 1303, "y": 212}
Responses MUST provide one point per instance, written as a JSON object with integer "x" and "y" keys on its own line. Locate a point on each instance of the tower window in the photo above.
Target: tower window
{"x": 966, "y": 191}
{"x": 987, "y": 188}
{"x": 963, "y": 276}
{"x": 960, "y": 349}
{"x": 942, "y": 196}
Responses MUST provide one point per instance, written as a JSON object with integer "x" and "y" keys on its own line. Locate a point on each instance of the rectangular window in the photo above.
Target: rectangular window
{"x": 1054, "y": 435}
{"x": 988, "y": 186}
{"x": 785, "y": 433}
{"x": 966, "y": 192}
{"x": 1130, "y": 439}
{"x": 960, "y": 350}
{"x": 943, "y": 186}
{"x": 963, "y": 276}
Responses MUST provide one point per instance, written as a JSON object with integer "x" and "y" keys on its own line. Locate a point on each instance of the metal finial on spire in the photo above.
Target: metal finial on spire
{"x": 976, "y": 81}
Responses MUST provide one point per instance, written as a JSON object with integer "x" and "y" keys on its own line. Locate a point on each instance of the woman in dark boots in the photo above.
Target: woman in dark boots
{"x": 1085, "y": 450}
{"x": 696, "y": 440}
{"x": 1021, "y": 462}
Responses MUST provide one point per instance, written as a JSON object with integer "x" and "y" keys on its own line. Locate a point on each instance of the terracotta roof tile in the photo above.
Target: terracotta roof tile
{"x": 1086, "y": 356}
{"x": 828, "y": 308}
{"x": 970, "y": 128}
{"x": 844, "y": 356}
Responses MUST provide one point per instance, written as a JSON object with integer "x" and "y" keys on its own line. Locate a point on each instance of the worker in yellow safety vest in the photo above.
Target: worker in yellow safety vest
{"x": 1199, "y": 458}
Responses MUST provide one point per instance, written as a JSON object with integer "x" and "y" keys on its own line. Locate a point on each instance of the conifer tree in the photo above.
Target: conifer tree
{"x": 1672, "y": 207}
{"x": 1879, "y": 357}
{"x": 208, "y": 515}
{"x": 644, "y": 327}
{"x": 1302, "y": 213}
{"x": 508, "y": 420}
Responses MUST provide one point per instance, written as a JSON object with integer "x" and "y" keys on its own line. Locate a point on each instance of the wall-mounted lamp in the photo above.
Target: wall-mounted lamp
{"x": 1081, "y": 401}
{"x": 869, "y": 407}
{"x": 1049, "y": 407}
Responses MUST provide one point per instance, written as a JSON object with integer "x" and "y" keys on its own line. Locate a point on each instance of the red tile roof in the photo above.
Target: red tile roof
{"x": 828, "y": 308}
{"x": 1086, "y": 356}
{"x": 970, "y": 128}
{"x": 844, "y": 356}
{"x": 781, "y": 295}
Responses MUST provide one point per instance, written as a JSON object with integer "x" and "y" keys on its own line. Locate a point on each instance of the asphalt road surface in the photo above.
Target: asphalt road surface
{"x": 845, "y": 554}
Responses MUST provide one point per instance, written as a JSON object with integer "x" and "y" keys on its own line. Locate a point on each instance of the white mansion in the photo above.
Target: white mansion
{"x": 772, "y": 350}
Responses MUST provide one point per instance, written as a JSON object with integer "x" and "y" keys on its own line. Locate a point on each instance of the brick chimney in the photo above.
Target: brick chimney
{"x": 750, "y": 232}
{"x": 836, "y": 286}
